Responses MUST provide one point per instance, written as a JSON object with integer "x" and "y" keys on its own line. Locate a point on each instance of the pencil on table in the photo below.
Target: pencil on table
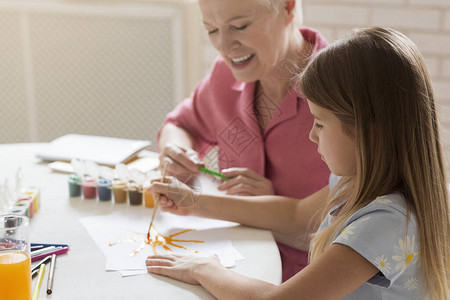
{"x": 51, "y": 275}
{"x": 37, "y": 286}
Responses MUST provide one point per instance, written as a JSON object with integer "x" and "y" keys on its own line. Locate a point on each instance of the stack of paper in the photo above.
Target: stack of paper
{"x": 102, "y": 150}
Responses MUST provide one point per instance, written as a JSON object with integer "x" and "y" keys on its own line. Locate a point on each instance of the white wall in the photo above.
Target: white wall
{"x": 426, "y": 22}
{"x": 112, "y": 68}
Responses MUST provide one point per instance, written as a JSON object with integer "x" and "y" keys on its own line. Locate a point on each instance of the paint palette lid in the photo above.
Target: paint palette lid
{"x": 102, "y": 150}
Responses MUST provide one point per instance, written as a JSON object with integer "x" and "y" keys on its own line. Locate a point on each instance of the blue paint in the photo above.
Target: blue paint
{"x": 104, "y": 190}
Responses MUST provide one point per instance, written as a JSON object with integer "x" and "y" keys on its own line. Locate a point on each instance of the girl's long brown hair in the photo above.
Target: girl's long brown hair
{"x": 377, "y": 83}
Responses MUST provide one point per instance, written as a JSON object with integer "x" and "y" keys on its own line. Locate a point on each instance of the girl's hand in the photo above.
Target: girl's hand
{"x": 182, "y": 162}
{"x": 179, "y": 267}
{"x": 175, "y": 196}
{"x": 245, "y": 182}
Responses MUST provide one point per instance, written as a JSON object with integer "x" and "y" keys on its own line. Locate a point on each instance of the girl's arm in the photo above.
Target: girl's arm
{"x": 337, "y": 272}
{"x": 282, "y": 214}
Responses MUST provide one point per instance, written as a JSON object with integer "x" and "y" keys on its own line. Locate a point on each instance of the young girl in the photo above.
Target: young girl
{"x": 386, "y": 231}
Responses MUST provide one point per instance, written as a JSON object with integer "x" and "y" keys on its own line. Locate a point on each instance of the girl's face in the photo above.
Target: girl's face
{"x": 250, "y": 36}
{"x": 337, "y": 148}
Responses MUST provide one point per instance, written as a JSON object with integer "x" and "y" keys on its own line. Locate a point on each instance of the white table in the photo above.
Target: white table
{"x": 81, "y": 274}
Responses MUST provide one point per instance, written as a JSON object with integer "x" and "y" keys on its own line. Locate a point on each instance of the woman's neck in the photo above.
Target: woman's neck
{"x": 276, "y": 84}
{"x": 270, "y": 90}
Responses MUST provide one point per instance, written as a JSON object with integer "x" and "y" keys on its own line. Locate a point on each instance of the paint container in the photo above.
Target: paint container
{"x": 148, "y": 196}
{"x": 135, "y": 193}
{"x": 89, "y": 188}
{"x": 120, "y": 191}
{"x": 74, "y": 185}
{"x": 33, "y": 192}
{"x": 19, "y": 210}
{"x": 104, "y": 190}
{"x": 28, "y": 203}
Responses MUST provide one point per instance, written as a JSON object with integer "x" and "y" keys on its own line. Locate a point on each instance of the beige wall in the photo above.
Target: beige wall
{"x": 426, "y": 22}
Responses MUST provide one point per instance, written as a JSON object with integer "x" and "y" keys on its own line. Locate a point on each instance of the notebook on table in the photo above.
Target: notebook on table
{"x": 102, "y": 150}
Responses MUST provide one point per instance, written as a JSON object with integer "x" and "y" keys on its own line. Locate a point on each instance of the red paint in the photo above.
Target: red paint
{"x": 89, "y": 188}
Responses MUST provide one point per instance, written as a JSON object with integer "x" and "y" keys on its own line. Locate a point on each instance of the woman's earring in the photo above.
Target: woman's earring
{"x": 290, "y": 6}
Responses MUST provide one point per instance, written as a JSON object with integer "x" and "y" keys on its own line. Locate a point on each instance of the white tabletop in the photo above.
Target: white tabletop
{"x": 81, "y": 274}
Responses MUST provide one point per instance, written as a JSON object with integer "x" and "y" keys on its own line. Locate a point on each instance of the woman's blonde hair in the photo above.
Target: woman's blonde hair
{"x": 376, "y": 82}
{"x": 298, "y": 11}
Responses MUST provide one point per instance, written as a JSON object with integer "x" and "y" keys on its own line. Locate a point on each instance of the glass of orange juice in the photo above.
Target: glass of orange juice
{"x": 15, "y": 262}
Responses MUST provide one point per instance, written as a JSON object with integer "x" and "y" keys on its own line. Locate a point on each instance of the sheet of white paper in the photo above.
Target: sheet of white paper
{"x": 128, "y": 229}
{"x": 127, "y": 273}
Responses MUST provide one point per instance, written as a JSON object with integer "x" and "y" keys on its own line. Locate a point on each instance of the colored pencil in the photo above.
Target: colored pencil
{"x": 37, "y": 286}
{"x": 38, "y": 265}
{"x": 57, "y": 252}
{"x": 43, "y": 250}
{"x": 51, "y": 275}
{"x": 208, "y": 171}
{"x": 40, "y": 245}
{"x": 36, "y": 247}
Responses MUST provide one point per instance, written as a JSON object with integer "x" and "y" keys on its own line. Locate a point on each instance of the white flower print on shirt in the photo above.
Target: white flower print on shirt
{"x": 383, "y": 264}
{"x": 411, "y": 283}
{"x": 405, "y": 253}
{"x": 348, "y": 231}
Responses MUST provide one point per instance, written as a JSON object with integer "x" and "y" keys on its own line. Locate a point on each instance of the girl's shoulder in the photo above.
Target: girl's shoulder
{"x": 388, "y": 211}
{"x": 394, "y": 203}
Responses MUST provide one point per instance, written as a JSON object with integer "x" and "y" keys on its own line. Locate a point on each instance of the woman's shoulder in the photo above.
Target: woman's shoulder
{"x": 313, "y": 37}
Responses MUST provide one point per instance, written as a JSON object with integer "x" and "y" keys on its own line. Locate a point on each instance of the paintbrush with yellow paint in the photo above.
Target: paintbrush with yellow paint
{"x": 157, "y": 200}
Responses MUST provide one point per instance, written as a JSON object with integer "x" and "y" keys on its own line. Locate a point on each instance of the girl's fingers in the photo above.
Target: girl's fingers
{"x": 159, "y": 187}
{"x": 159, "y": 258}
{"x": 165, "y": 203}
{"x": 159, "y": 262}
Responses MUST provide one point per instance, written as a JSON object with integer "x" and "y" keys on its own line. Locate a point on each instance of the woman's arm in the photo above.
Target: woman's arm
{"x": 336, "y": 273}
{"x": 175, "y": 145}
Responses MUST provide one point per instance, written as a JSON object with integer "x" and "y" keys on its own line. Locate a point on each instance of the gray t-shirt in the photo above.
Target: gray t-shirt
{"x": 379, "y": 232}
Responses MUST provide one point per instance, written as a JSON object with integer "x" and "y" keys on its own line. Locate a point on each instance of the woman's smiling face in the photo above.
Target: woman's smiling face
{"x": 248, "y": 34}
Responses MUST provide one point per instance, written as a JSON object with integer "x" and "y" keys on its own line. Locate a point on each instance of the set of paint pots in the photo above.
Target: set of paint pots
{"x": 28, "y": 202}
{"x": 118, "y": 191}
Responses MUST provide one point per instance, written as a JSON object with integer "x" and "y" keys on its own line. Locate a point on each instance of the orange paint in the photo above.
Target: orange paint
{"x": 15, "y": 275}
{"x": 166, "y": 241}
{"x": 158, "y": 240}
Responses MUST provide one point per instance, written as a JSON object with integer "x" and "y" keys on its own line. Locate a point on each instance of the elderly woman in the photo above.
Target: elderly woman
{"x": 247, "y": 108}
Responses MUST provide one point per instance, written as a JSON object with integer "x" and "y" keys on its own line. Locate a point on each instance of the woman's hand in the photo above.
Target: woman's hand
{"x": 175, "y": 196}
{"x": 179, "y": 267}
{"x": 182, "y": 162}
{"x": 245, "y": 182}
